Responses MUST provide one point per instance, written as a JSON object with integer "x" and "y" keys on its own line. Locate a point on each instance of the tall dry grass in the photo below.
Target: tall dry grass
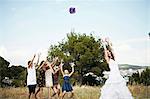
{"x": 83, "y": 92}
{"x": 140, "y": 91}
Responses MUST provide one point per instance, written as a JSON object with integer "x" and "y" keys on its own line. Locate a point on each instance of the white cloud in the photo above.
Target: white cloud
{"x": 135, "y": 40}
{"x": 124, "y": 47}
{"x": 133, "y": 51}
{"x": 20, "y": 56}
{"x": 43, "y": 53}
{"x": 3, "y": 51}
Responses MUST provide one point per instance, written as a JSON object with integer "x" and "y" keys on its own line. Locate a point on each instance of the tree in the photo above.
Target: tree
{"x": 15, "y": 73}
{"x": 84, "y": 51}
{"x": 145, "y": 77}
{"x": 135, "y": 78}
{"x": 18, "y": 75}
{"x": 3, "y": 68}
{"x": 142, "y": 78}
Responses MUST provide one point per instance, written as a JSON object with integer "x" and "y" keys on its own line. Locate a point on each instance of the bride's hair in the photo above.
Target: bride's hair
{"x": 112, "y": 55}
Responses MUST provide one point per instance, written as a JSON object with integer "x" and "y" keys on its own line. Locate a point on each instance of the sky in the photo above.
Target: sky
{"x": 31, "y": 26}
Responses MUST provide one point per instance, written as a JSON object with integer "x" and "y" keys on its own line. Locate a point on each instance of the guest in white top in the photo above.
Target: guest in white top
{"x": 31, "y": 77}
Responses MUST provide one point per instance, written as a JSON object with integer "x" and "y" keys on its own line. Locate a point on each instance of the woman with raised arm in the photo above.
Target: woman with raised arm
{"x": 31, "y": 77}
{"x": 41, "y": 79}
{"x": 66, "y": 84}
{"x": 56, "y": 85}
{"x": 115, "y": 86}
{"x": 48, "y": 74}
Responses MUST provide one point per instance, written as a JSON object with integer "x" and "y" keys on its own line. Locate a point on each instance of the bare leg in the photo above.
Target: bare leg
{"x": 72, "y": 94}
{"x": 58, "y": 92}
{"x": 34, "y": 92}
{"x": 37, "y": 92}
{"x": 29, "y": 96}
{"x": 29, "y": 92}
{"x": 58, "y": 89}
{"x": 34, "y": 96}
{"x": 63, "y": 94}
{"x": 41, "y": 94}
{"x": 49, "y": 92}
{"x": 54, "y": 90}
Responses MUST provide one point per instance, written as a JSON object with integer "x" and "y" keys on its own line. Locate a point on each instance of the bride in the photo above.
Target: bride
{"x": 115, "y": 86}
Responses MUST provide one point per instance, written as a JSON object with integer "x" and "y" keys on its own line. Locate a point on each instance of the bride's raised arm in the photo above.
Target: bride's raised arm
{"x": 111, "y": 47}
{"x": 105, "y": 52}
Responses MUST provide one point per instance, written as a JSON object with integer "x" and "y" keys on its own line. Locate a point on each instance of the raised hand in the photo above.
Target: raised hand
{"x": 56, "y": 58}
{"x": 107, "y": 40}
{"x": 39, "y": 54}
{"x": 61, "y": 60}
{"x": 72, "y": 64}
{"x": 103, "y": 43}
{"x": 34, "y": 55}
{"x": 61, "y": 64}
{"x": 61, "y": 68}
{"x": 30, "y": 65}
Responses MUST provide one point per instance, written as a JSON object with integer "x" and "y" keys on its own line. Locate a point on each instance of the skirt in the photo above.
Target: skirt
{"x": 67, "y": 87}
{"x": 115, "y": 91}
{"x": 48, "y": 78}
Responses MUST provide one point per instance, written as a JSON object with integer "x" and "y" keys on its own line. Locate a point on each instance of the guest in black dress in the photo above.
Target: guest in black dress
{"x": 41, "y": 78}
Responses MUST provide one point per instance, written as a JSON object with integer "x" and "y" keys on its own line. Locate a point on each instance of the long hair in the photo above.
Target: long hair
{"x": 41, "y": 62}
{"x": 112, "y": 55}
{"x": 109, "y": 49}
{"x": 29, "y": 62}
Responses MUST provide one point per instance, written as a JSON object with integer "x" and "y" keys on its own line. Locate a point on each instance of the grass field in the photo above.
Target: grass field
{"x": 84, "y": 92}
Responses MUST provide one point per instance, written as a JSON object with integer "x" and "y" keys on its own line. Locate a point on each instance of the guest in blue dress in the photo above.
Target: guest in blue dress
{"x": 66, "y": 85}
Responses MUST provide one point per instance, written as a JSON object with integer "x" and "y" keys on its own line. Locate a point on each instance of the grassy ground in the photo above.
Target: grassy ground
{"x": 84, "y": 92}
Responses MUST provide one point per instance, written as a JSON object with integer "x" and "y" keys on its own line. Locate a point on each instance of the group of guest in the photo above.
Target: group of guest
{"x": 46, "y": 74}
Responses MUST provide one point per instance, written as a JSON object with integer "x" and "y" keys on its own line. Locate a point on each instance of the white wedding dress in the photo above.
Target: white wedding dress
{"x": 115, "y": 86}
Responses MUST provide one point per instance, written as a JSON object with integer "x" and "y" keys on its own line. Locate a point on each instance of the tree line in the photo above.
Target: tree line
{"x": 141, "y": 78}
{"x": 17, "y": 74}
